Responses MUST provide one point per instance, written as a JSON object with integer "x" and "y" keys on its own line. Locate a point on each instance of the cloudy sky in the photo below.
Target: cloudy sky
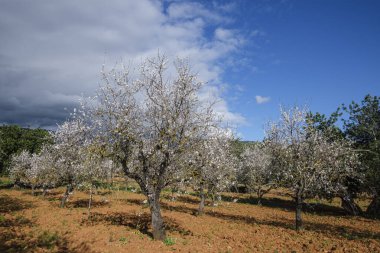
{"x": 253, "y": 54}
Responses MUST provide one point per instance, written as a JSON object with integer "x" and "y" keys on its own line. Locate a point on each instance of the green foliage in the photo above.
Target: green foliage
{"x": 327, "y": 125}
{"x": 5, "y": 183}
{"x": 47, "y": 239}
{"x": 238, "y": 146}
{"x": 169, "y": 241}
{"x": 123, "y": 240}
{"x": 14, "y": 139}
{"x": 363, "y": 127}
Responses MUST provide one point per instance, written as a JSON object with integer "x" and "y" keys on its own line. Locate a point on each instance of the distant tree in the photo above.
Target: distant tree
{"x": 256, "y": 170}
{"x": 69, "y": 140}
{"x": 309, "y": 162}
{"x": 363, "y": 128}
{"x": 212, "y": 166}
{"x": 14, "y": 139}
{"x": 33, "y": 170}
{"x": 237, "y": 149}
{"x": 94, "y": 167}
{"x": 48, "y": 177}
{"x": 327, "y": 126}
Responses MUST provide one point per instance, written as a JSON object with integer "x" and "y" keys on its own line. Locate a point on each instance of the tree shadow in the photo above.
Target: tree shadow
{"x": 289, "y": 205}
{"x": 9, "y": 204}
{"x": 83, "y": 203}
{"x": 332, "y": 230}
{"x": 139, "y": 221}
{"x": 6, "y": 186}
{"x": 137, "y": 202}
{"x": 14, "y": 240}
{"x": 179, "y": 208}
{"x": 329, "y": 229}
{"x": 190, "y": 200}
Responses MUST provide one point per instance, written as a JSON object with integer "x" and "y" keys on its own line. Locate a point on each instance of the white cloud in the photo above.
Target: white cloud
{"x": 54, "y": 50}
{"x": 261, "y": 99}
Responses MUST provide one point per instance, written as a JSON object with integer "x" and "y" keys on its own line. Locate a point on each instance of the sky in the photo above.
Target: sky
{"x": 253, "y": 55}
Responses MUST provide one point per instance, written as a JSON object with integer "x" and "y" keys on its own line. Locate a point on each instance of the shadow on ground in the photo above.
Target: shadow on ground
{"x": 289, "y": 205}
{"x": 83, "y": 203}
{"x": 8, "y": 204}
{"x": 13, "y": 237}
{"x": 139, "y": 221}
{"x": 328, "y": 229}
{"x": 331, "y": 230}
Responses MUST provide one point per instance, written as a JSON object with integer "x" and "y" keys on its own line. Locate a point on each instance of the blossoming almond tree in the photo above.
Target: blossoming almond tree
{"x": 308, "y": 161}
{"x": 150, "y": 121}
{"x": 212, "y": 166}
{"x": 256, "y": 170}
{"x": 70, "y": 138}
{"x": 23, "y": 169}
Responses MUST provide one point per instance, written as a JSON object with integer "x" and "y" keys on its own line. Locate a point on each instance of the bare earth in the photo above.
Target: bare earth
{"x": 120, "y": 223}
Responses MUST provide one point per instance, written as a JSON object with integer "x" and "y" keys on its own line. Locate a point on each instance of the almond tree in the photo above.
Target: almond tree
{"x": 256, "y": 170}
{"x": 70, "y": 139}
{"x": 309, "y": 162}
{"x": 94, "y": 167}
{"x": 150, "y": 122}
{"x": 23, "y": 169}
{"x": 34, "y": 170}
{"x": 212, "y": 166}
{"x": 47, "y": 172}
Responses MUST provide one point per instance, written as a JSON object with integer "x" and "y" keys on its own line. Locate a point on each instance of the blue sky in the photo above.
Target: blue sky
{"x": 253, "y": 54}
{"x": 317, "y": 53}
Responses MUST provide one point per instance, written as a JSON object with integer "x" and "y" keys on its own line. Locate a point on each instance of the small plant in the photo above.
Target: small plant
{"x": 5, "y": 183}
{"x": 123, "y": 240}
{"x": 21, "y": 220}
{"x": 169, "y": 241}
{"x": 47, "y": 239}
{"x": 2, "y": 218}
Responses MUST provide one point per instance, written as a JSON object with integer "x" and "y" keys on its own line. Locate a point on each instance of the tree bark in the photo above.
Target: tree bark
{"x": 89, "y": 203}
{"x": 33, "y": 193}
{"x": 66, "y": 195}
{"x": 298, "y": 211}
{"x": 349, "y": 206}
{"x": 44, "y": 190}
{"x": 157, "y": 221}
{"x": 374, "y": 207}
{"x": 201, "y": 207}
{"x": 259, "y": 196}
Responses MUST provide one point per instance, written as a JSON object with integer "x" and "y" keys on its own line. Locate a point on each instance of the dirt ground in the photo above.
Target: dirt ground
{"x": 120, "y": 223}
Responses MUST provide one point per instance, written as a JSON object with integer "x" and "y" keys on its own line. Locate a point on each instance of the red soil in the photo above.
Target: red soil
{"x": 120, "y": 223}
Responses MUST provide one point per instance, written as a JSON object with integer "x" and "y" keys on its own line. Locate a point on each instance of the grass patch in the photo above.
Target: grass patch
{"x": 2, "y": 219}
{"x": 48, "y": 239}
{"x": 169, "y": 241}
{"x": 123, "y": 240}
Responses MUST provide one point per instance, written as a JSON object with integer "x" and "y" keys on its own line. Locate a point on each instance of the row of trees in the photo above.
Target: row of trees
{"x": 155, "y": 130}
{"x": 14, "y": 139}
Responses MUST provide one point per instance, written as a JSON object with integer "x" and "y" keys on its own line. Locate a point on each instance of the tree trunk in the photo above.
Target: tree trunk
{"x": 374, "y": 207}
{"x": 201, "y": 207}
{"x": 89, "y": 203}
{"x": 298, "y": 211}
{"x": 66, "y": 195}
{"x": 350, "y": 206}
{"x": 33, "y": 193}
{"x": 157, "y": 221}
{"x": 259, "y": 196}
{"x": 44, "y": 190}
{"x": 212, "y": 200}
